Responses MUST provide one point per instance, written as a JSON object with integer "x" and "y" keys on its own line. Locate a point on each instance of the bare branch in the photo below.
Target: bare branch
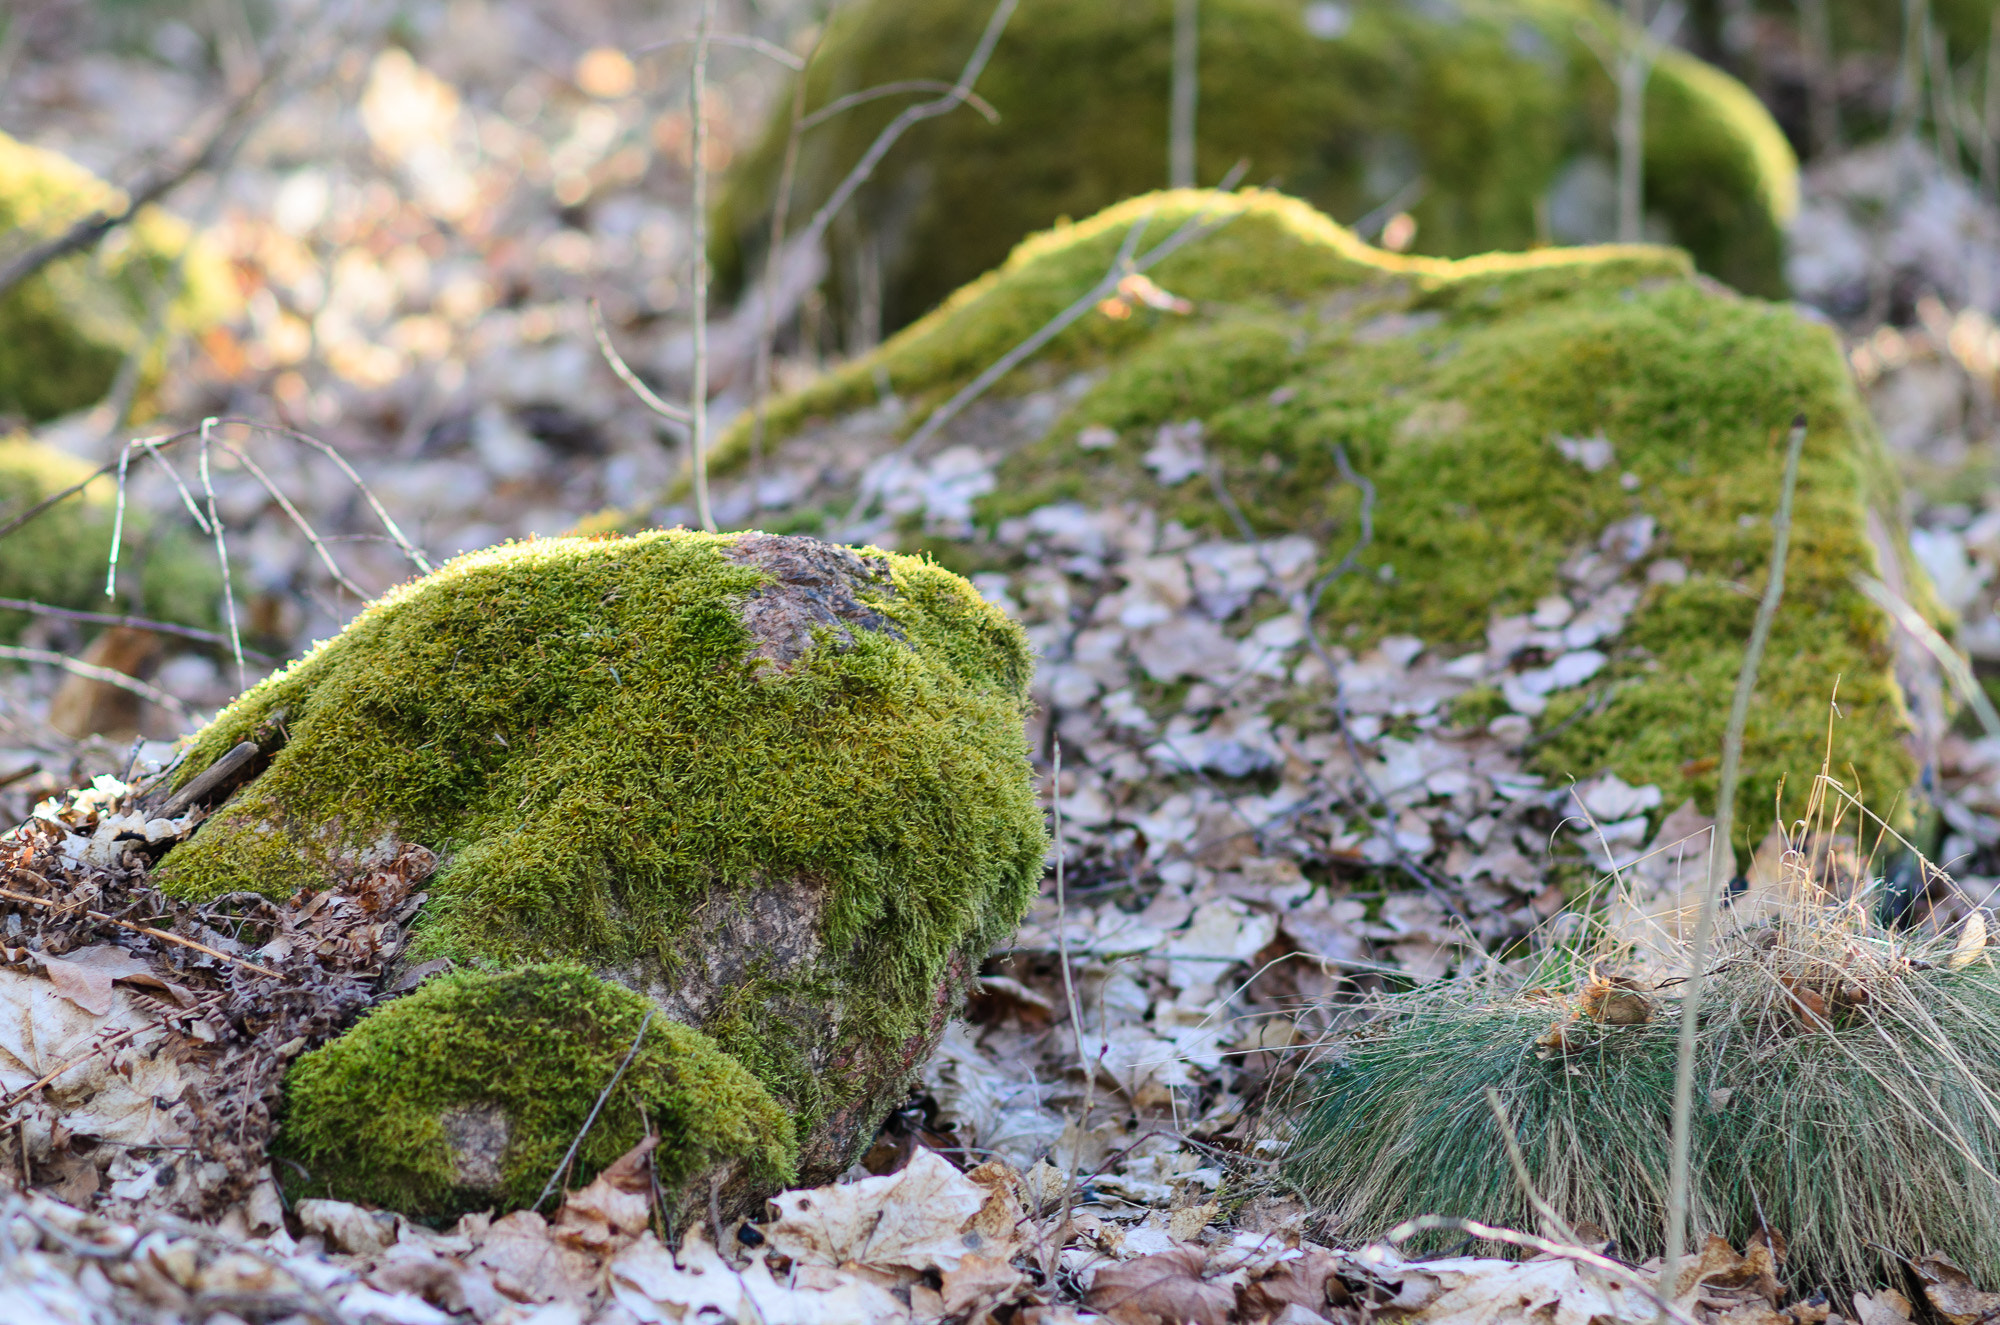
{"x": 698, "y": 390}
{"x": 221, "y": 143}
{"x": 880, "y": 90}
{"x": 911, "y": 116}
{"x": 666, "y": 409}
{"x": 298, "y": 520}
{"x": 748, "y": 43}
{"x": 1722, "y": 858}
{"x": 33, "y": 608}
{"x": 222, "y": 559}
{"x": 109, "y": 676}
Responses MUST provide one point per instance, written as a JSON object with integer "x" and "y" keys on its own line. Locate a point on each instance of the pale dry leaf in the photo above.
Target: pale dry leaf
{"x": 1481, "y": 1291}
{"x": 614, "y": 1208}
{"x": 529, "y": 1265}
{"x": 1186, "y": 1223}
{"x": 124, "y": 1095}
{"x": 1887, "y": 1307}
{"x": 915, "y": 1219}
{"x": 1951, "y": 1290}
{"x": 345, "y": 1227}
{"x": 84, "y": 976}
{"x": 1165, "y": 1289}
{"x": 647, "y": 1282}
{"x": 979, "y": 1284}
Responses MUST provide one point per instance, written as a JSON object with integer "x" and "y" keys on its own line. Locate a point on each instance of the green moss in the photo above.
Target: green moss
{"x": 65, "y": 331}
{"x": 583, "y": 729}
{"x": 60, "y": 557}
{"x": 1490, "y": 102}
{"x": 369, "y": 1116}
{"x": 1446, "y": 383}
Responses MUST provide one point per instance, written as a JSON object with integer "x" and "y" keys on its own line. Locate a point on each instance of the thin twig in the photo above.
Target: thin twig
{"x": 698, "y": 390}
{"x": 1722, "y": 859}
{"x": 1185, "y": 90}
{"x": 1409, "y": 1228}
{"x": 298, "y": 520}
{"x": 880, "y": 90}
{"x": 648, "y": 397}
{"x": 33, "y": 608}
{"x": 162, "y": 935}
{"x": 107, "y": 1045}
{"x": 1516, "y": 1161}
{"x": 767, "y": 330}
{"x": 1123, "y": 264}
{"x": 109, "y": 676}
{"x": 958, "y": 95}
{"x": 1949, "y": 660}
{"x": 596, "y": 1108}
{"x": 222, "y": 559}
{"x": 744, "y": 40}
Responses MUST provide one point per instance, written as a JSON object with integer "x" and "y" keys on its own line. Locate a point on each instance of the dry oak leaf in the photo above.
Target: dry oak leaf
{"x": 1309, "y": 1282}
{"x": 979, "y": 1285}
{"x": 529, "y": 1265}
{"x": 1952, "y": 1292}
{"x": 1162, "y": 1289}
{"x": 919, "y": 1218}
{"x": 614, "y": 1209}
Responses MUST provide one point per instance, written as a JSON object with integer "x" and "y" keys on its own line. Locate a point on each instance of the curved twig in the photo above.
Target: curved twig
{"x": 876, "y": 93}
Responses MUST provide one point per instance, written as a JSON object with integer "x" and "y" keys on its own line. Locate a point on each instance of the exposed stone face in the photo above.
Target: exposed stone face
{"x": 814, "y": 588}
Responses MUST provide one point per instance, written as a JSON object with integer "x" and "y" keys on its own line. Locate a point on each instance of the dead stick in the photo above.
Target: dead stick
{"x": 111, "y": 1043}
{"x": 147, "y": 930}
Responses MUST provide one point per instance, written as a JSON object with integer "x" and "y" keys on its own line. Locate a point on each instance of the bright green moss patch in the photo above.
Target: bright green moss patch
{"x": 471, "y": 1089}
{"x": 1450, "y": 387}
{"x": 655, "y": 753}
{"x": 1488, "y": 119}
{"x": 65, "y": 331}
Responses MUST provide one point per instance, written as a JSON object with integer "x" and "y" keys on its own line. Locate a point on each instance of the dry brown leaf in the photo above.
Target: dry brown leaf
{"x": 1308, "y": 1281}
{"x": 915, "y": 1219}
{"x": 1186, "y": 1223}
{"x": 529, "y": 1265}
{"x": 1164, "y": 1289}
{"x": 1952, "y": 1292}
{"x": 84, "y": 977}
{"x": 615, "y": 1208}
{"x": 979, "y": 1285}
{"x": 1887, "y": 1307}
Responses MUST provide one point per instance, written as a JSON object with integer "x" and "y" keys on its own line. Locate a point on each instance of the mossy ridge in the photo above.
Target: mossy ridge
{"x": 581, "y": 728}
{"x": 365, "y": 1116}
{"x": 60, "y": 557}
{"x": 65, "y": 331}
{"x": 1445, "y": 383}
{"x": 1488, "y": 100}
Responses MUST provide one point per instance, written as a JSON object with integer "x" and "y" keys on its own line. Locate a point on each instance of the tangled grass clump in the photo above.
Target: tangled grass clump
{"x": 1845, "y": 1095}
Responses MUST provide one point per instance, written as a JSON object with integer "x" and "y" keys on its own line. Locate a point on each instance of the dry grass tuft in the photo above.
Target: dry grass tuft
{"x": 1846, "y": 1078}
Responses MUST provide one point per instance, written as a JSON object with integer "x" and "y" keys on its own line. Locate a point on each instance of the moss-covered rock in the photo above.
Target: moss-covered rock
{"x": 65, "y": 331}
{"x": 467, "y": 1094}
{"x": 1491, "y": 118}
{"x": 60, "y": 557}
{"x": 1464, "y": 392}
{"x": 778, "y": 786}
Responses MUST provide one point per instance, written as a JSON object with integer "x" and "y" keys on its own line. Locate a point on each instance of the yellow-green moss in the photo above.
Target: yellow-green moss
{"x": 60, "y": 557}
{"x": 65, "y": 331}
{"x": 582, "y": 728}
{"x": 367, "y": 1116}
{"x": 1488, "y": 100}
{"x": 1446, "y": 384}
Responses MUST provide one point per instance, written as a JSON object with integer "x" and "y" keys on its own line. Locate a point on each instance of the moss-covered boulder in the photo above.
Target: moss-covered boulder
{"x": 65, "y": 331}
{"x": 60, "y": 557}
{"x": 1490, "y": 120}
{"x": 776, "y": 786}
{"x": 1528, "y": 426}
{"x": 465, "y": 1096}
